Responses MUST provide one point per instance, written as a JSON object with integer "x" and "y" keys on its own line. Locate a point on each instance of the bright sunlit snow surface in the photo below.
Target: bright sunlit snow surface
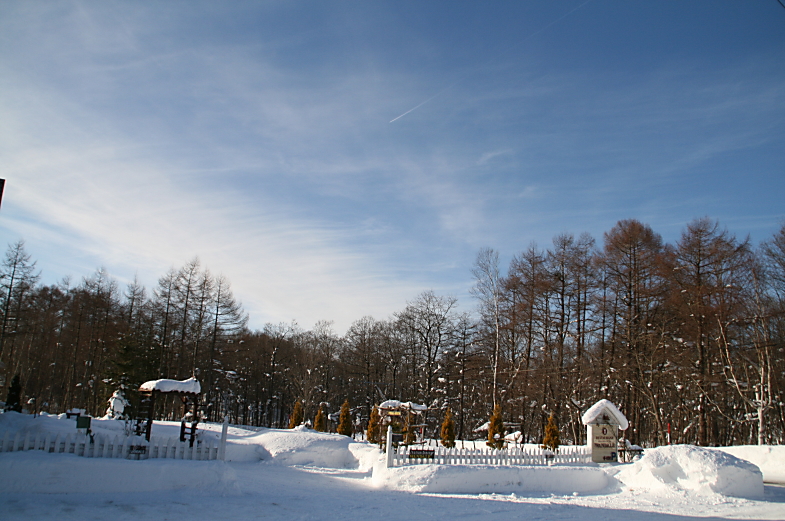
{"x": 302, "y": 474}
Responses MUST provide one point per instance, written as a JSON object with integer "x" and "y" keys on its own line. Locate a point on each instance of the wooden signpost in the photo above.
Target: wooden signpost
{"x": 603, "y": 421}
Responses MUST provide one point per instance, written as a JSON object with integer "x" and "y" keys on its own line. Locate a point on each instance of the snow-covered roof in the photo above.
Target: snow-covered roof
{"x": 602, "y": 407}
{"x": 173, "y": 386}
{"x": 395, "y": 404}
{"x": 483, "y": 428}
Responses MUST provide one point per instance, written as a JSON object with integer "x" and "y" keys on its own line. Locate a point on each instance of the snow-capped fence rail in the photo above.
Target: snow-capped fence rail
{"x": 98, "y": 446}
{"x": 511, "y": 456}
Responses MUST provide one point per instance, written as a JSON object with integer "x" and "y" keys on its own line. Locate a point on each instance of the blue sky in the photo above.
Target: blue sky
{"x": 276, "y": 141}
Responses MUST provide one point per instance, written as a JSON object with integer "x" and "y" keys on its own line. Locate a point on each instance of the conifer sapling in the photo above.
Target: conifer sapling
{"x": 373, "y": 434}
{"x": 551, "y": 439}
{"x": 496, "y": 429}
{"x": 345, "y": 420}
{"x": 320, "y": 422}
{"x": 14, "y": 400}
{"x": 448, "y": 430}
{"x": 297, "y": 415}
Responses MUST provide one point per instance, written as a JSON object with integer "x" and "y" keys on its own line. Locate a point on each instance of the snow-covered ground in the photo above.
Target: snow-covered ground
{"x": 301, "y": 474}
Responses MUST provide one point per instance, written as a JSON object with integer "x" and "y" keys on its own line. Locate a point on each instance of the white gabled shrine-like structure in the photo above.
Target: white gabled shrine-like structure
{"x": 603, "y": 420}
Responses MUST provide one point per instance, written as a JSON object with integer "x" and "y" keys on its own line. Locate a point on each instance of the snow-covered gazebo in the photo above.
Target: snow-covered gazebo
{"x": 603, "y": 420}
{"x": 394, "y": 411}
{"x": 188, "y": 391}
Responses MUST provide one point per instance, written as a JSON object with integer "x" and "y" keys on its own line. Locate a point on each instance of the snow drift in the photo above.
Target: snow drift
{"x": 302, "y": 446}
{"x": 479, "y": 479}
{"x": 770, "y": 459}
{"x": 35, "y": 471}
{"x": 695, "y": 470}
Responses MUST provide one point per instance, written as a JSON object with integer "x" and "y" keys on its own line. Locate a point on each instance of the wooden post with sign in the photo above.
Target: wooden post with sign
{"x": 604, "y": 437}
{"x": 603, "y": 421}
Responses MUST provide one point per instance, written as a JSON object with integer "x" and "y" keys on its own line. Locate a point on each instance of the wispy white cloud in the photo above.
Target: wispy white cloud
{"x": 137, "y": 208}
{"x": 135, "y": 138}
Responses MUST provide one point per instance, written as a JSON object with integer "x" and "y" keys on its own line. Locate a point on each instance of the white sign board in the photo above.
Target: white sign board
{"x": 603, "y": 443}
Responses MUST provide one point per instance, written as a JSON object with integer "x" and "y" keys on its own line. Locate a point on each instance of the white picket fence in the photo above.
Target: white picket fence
{"x": 98, "y": 446}
{"x": 577, "y": 455}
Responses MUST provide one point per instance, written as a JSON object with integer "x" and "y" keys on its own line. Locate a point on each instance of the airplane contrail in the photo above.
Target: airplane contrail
{"x": 423, "y": 103}
{"x": 535, "y": 33}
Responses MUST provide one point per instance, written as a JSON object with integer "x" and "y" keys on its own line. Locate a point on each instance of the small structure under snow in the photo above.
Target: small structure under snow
{"x": 408, "y": 406}
{"x": 605, "y": 411}
{"x": 483, "y": 428}
{"x": 603, "y": 420}
{"x": 190, "y": 386}
{"x": 402, "y": 414}
{"x": 188, "y": 391}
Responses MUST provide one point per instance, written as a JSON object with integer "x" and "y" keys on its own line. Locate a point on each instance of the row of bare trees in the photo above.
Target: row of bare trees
{"x": 686, "y": 338}
{"x": 73, "y": 345}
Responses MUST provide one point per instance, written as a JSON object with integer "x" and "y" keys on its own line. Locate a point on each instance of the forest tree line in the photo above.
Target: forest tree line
{"x": 688, "y": 339}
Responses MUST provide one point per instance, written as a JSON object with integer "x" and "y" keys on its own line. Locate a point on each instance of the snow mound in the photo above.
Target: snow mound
{"x": 483, "y": 479}
{"x": 693, "y": 469}
{"x": 770, "y": 459}
{"x": 302, "y": 446}
{"x": 38, "y": 472}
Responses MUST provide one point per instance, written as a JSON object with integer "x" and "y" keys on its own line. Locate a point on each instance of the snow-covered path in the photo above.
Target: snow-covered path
{"x": 270, "y": 491}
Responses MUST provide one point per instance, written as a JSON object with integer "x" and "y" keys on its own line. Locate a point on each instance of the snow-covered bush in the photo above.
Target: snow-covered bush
{"x": 117, "y": 405}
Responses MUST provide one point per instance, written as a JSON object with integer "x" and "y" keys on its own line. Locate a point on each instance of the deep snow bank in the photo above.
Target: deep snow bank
{"x": 695, "y": 470}
{"x": 302, "y": 446}
{"x": 39, "y": 472}
{"x": 478, "y": 479}
{"x": 770, "y": 459}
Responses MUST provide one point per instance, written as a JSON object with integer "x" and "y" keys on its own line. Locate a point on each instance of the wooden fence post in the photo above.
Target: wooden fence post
{"x": 224, "y": 434}
{"x": 389, "y": 447}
